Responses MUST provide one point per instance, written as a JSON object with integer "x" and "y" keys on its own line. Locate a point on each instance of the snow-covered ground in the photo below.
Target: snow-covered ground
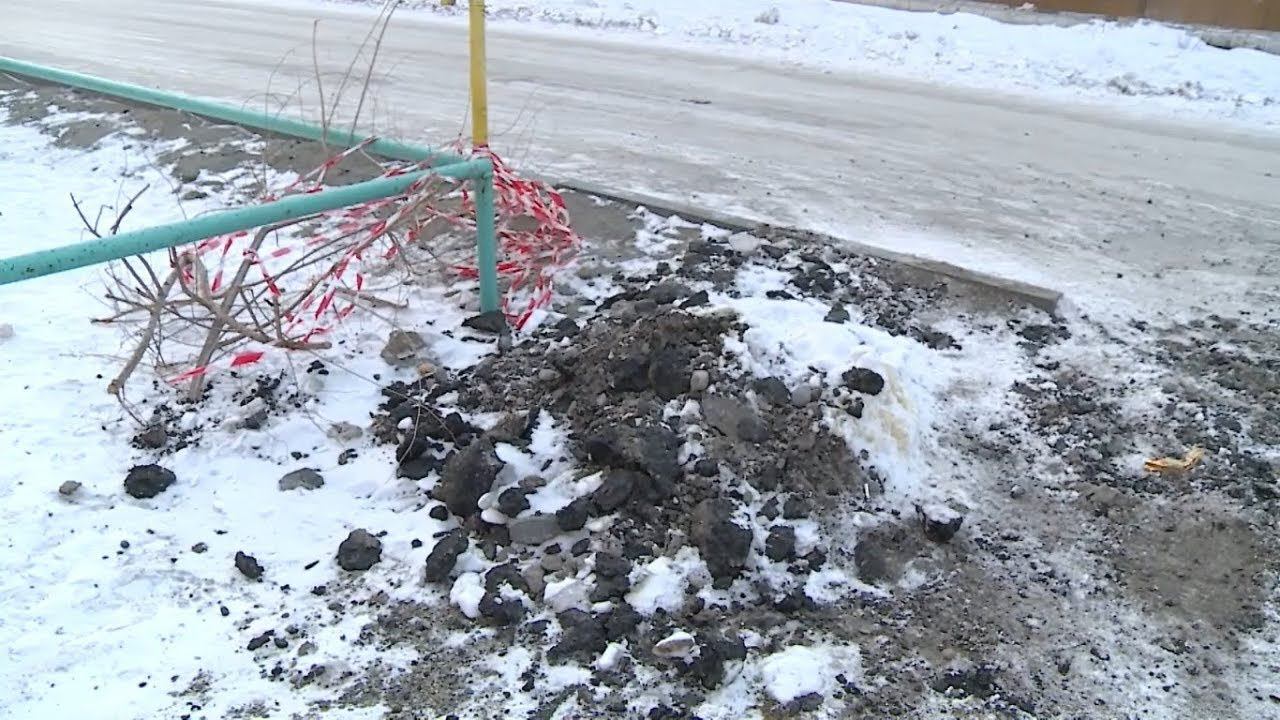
{"x": 1143, "y": 66}
{"x": 1075, "y": 579}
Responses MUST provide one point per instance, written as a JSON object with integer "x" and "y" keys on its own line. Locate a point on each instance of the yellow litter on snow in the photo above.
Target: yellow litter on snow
{"x": 1171, "y": 465}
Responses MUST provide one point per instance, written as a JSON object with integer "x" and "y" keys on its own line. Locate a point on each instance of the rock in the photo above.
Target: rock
{"x": 665, "y": 293}
{"x": 200, "y": 548}
{"x": 418, "y": 468}
{"x": 868, "y": 382}
{"x": 582, "y": 637}
{"x": 723, "y": 543}
{"x": 534, "y": 530}
{"x": 781, "y": 543}
{"x": 706, "y": 467}
{"x": 653, "y": 449}
{"x": 773, "y": 390}
{"x": 261, "y": 640}
{"x": 1017, "y": 492}
{"x": 612, "y": 576}
{"x": 306, "y": 478}
{"x": 939, "y": 522}
{"x": 622, "y": 622}
{"x": 837, "y": 315}
{"x": 855, "y": 407}
{"x": 506, "y": 574}
{"x": 679, "y": 645}
{"x": 360, "y": 551}
{"x": 248, "y": 566}
{"x": 344, "y": 432}
{"x": 551, "y": 563}
{"x": 574, "y": 515}
{"x": 614, "y": 492}
{"x": 714, "y": 651}
{"x": 668, "y": 374}
{"x": 698, "y": 299}
{"x": 772, "y": 475}
{"x": 548, "y": 375}
{"x": 438, "y": 512}
{"x": 148, "y": 481}
{"x": 468, "y": 474}
{"x": 501, "y": 610}
{"x": 403, "y": 348}
{"x": 795, "y": 508}
{"x": 153, "y": 437}
{"x": 802, "y": 395}
{"x": 530, "y": 483}
{"x": 770, "y": 510}
{"x": 69, "y": 488}
{"x": 444, "y": 555}
{"x": 630, "y": 374}
{"x": 513, "y": 501}
{"x": 699, "y": 381}
{"x": 535, "y": 579}
{"x": 735, "y": 419}
{"x": 494, "y": 322}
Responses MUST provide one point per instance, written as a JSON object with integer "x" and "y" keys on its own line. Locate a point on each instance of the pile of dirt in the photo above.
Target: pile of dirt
{"x": 675, "y": 447}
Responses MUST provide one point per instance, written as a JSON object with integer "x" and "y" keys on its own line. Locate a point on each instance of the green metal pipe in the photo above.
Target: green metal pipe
{"x": 93, "y": 252}
{"x": 486, "y": 242}
{"x": 227, "y": 113}
{"x": 101, "y": 250}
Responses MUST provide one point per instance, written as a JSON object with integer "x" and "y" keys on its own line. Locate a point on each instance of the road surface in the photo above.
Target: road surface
{"x": 1124, "y": 214}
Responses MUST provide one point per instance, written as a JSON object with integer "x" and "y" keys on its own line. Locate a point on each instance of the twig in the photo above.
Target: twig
{"x": 91, "y": 227}
{"x": 116, "y": 386}
{"x": 222, "y": 314}
{"x": 115, "y": 226}
{"x": 315, "y": 64}
{"x": 373, "y": 61}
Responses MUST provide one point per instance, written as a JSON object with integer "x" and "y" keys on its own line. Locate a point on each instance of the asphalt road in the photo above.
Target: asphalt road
{"x": 1124, "y": 214}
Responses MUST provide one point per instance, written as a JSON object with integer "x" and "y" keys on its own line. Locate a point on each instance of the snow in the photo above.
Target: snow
{"x": 98, "y": 585}
{"x": 804, "y": 670}
{"x": 661, "y": 584}
{"x": 789, "y": 339}
{"x": 466, "y": 593}
{"x": 1144, "y": 65}
{"x": 612, "y": 655}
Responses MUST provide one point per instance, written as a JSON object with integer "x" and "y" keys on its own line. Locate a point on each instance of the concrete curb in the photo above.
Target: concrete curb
{"x": 1043, "y": 298}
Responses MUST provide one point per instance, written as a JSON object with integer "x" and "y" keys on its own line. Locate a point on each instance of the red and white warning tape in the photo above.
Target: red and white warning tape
{"x": 529, "y": 258}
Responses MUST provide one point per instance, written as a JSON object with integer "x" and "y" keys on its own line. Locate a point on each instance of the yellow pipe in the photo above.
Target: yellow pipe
{"x": 479, "y": 85}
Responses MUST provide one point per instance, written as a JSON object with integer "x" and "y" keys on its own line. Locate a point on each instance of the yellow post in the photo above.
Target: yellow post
{"x": 479, "y": 84}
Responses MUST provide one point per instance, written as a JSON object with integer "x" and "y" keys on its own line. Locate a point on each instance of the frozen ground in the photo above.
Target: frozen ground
{"x": 1038, "y": 168}
{"x": 788, "y": 573}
